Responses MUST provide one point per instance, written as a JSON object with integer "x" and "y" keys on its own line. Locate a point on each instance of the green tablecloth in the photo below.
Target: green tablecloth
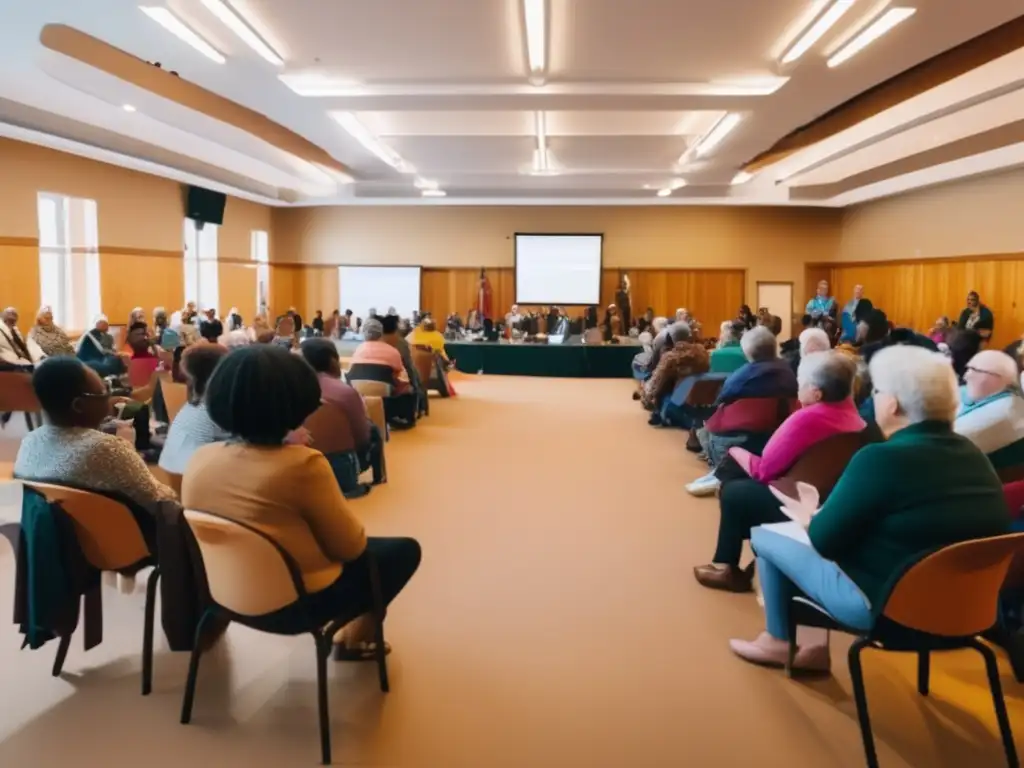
{"x": 564, "y": 360}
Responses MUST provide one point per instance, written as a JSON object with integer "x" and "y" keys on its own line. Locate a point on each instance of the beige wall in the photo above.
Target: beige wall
{"x": 772, "y": 244}
{"x": 981, "y": 216}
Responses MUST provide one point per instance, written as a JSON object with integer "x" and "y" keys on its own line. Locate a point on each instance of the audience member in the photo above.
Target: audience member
{"x": 811, "y": 340}
{"x": 259, "y": 394}
{"x": 211, "y": 329}
{"x": 977, "y": 317}
{"x": 193, "y": 428}
{"x": 848, "y": 320}
{"x": 826, "y": 389}
{"x": 160, "y": 325}
{"x": 70, "y": 449}
{"x": 143, "y": 362}
{"x": 792, "y": 346}
{"x": 137, "y": 315}
{"x": 611, "y": 328}
{"x": 963, "y": 346}
{"x": 51, "y": 338}
{"x": 991, "y": 413}
{"x": 286, "y": 335}
{"x": 318, "y": 322}
{"x": 390, "y": 327}
{"x": 940, "y": 330}
{"x": 96, "y": 350}
{"x": 821, "y": 303}
{"x": 728, "y": 356}
{"x": 375, "y": 351}
{"x": 426, "y": 335}
{"x": 15, "y": 350}
{"x": 684, "y": 358}
{"x": 745, "y": 316}
{"x": 644, "y": 323}
{"x": 923, "y": 488}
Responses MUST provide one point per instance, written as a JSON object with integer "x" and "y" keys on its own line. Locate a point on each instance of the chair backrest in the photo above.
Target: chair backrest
{"x": 175, "y": 397}
{"x": 328, "y": 426}
{"x": 246, "y": 571}
{"x": 822, "y": 464}
{"x": 423, "y": 360}
{"x": 371, "y": 372}
{"x": 752, "y": 414}
{"x": 371, "y": 388}
{"x": 954, "y": 592}
{"x": 16, "y": 393}
{"x": 106, "y": 529}
{"x": 704, "y": 391}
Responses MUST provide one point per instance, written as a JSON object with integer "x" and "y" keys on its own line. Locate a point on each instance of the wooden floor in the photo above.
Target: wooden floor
{"x": 554, "y": 622}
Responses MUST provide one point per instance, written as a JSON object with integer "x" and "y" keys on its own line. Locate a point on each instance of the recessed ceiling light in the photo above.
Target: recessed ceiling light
{"x": 814, "y": 33}
{"x": 664, "y": 192}
{"x": 535, "y": 24}
{"x": 872, "y": 32}
{"x": 176, "y": 27}
{"x": 433, "y": 193}
{"x": 128, "y": 108}
{"x": 742, "y": 177}
{"x": 233, "y": 21}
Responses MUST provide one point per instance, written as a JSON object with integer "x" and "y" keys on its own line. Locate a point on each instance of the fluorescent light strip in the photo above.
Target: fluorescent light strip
{"x": 815, "y": 32}
{"x": 676, "y": 184}
{"x": 233, "y": 21}
{"x": 741, "y": 178}
{"x": 541, "y": 125}
{"x": 535, "y": 22}
{"x": 359, "y": 132}
{"x": 875, "y": 30}
{"x": 176, "y": 27}
{"x": 716, "y": 135}
{"x": 433, "y": 193}
{"x": 664, "y": 192}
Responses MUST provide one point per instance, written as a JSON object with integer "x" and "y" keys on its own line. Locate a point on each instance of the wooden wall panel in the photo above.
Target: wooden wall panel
{"x": 915, "y": 293}
{"x": 287, "y": 289}
{"x": 19, "y": 279}
{"x": 320, "y": 291}
{"x": 130, "y": 280}
{"x": 236, "y": 284}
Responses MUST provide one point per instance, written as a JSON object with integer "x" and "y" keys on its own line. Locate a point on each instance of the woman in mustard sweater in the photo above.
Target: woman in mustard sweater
{"x": 898, "y": 501}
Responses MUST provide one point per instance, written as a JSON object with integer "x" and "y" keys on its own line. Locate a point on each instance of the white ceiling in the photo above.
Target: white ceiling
{"x": 628, "y": 89}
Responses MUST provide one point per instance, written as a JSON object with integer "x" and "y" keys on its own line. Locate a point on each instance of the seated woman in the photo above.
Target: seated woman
{"x": 683, "y": 358}
{"x": 258, "y": 394}
{"x": 285, "y": 335}
{"x": 69, "y": 448}
{"x": 826, "y": 394}
{"x": 96, "y": 349}
{"x": 426, "y": 335}
{"x": 50, "y": 337}
{"x": 922, "y": 489}
{"x": 193, "y": 428}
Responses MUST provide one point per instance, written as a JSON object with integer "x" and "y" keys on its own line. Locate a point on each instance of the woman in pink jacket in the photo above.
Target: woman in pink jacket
{"x": 826, "y": 388}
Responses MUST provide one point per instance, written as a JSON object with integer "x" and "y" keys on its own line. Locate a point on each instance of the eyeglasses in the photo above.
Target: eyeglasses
{"x": 979, "y": 370}
{"x": 94, "y": 395}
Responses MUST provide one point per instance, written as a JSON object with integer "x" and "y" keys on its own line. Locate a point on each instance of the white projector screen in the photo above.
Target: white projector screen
{"x": 364, "y": 288}
{"x": 558, "y": 269}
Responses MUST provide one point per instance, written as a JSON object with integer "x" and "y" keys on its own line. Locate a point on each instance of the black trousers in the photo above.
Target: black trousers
{"x": 351, "y": 595}
{"x": 744, "y": 505}
{"x": 401, "y": 407}
{"x": 372, "y": 456}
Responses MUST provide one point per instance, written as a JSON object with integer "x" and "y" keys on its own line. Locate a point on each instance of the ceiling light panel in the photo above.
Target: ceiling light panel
{"x": 535, "y": 25}
{"x": 879, "y": 27}
{"x": 817, "y": 30}
{"x": 230, "y": 17}
{"x": 178, "y": 28}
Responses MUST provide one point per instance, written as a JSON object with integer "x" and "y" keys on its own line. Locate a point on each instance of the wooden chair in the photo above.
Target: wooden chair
{"x": 823, "y": 464}
{"x": 423, "y": 360}
{"x": 175, "y": 397}
{"x": 375, "y": 408}
{"x": 942, "y": 602}
{"x": 111, "y": 540}
{"x": 368, "y": 388}
{"x": 247, "y": 575}
{"x": 17, "y": 396}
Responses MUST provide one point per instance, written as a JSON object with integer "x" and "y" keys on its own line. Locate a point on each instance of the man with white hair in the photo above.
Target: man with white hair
{"x": 811, "y": 340}
{"x": 991, "y": 413}
{"x": 15, "y": 349}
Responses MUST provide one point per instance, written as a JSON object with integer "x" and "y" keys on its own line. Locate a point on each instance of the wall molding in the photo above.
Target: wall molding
{"x": 972, "y": 257}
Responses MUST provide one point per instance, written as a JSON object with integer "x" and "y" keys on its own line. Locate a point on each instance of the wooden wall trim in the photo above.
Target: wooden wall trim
{"x": 22, "y": 242}
{"x": 971, "y": 257}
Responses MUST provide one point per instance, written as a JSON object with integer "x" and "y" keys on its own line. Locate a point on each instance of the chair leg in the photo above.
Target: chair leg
{"x": 860, "y": 696}
{"x": 378, "y": 615}
{"x": 923, "y": 671}
{"x": 992, "y": 668}
{"x": 193, "y": 670}
{"x": 147, "y": 632}
{"x": 62, "y": 653}
{"x": 28, "y": 421}
{"x": 323, "y": 650}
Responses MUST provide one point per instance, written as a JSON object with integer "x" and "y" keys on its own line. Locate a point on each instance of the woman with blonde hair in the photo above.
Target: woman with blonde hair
{"x": 50, "y": 337}
{"x": 259, "y": 326}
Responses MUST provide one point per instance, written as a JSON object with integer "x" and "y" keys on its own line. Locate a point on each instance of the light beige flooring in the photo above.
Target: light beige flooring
{"x": 554, "y": 622}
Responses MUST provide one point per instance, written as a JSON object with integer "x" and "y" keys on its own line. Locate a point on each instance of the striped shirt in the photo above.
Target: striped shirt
{"x": 191, "y": 429}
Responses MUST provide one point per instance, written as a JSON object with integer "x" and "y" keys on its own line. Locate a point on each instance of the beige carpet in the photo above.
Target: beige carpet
{"x": 554, "y": 622}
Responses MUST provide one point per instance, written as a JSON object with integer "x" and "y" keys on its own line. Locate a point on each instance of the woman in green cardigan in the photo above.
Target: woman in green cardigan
{"x": 922, "y": 489}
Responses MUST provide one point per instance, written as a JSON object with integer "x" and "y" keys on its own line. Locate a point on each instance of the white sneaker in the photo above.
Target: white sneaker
{"x": 704, "y": 486}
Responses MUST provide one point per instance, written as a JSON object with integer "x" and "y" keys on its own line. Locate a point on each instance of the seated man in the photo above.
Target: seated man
{"x": 15, "y": 350}
{"x": 826, "y": 394}
{"x": 684, "y": 358}
{"x": 389, "y": 323}
{"x": 96, "y": 349}
{"x": 991, "y": 413}
{"x": 362, "y": 442}
{"x": 765, "y": 376}
{"x": 728, "y": 356}
{"x": 143, "y": 362}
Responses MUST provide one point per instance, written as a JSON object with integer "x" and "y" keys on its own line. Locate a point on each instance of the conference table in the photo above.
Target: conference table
{"x": 604, "y": 361}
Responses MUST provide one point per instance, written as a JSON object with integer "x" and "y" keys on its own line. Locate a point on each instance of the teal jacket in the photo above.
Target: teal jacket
{"x": 923, "y": 489}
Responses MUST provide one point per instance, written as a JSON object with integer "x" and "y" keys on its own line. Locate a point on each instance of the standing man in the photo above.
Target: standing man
{"x": 622, "y": 302}
{"x": 485, "y": 297}
{"x": 822, "y": 304}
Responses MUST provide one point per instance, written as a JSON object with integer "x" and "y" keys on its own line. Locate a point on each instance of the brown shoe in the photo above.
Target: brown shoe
{"x": 727, "y": 578}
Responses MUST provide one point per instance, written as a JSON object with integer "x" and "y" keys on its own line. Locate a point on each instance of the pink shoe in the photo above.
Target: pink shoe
{"x": 769, "y": 651}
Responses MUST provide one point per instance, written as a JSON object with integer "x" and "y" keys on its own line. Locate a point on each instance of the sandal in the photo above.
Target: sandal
{"x": 361, "y": 651}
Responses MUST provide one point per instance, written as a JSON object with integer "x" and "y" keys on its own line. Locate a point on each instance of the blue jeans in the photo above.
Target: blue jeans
{"x": 788, "y": 568}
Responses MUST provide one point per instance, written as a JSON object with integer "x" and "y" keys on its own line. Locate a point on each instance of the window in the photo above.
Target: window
{"x": 201, "y": 284}
{"x": 69, "y": 259}
{"x": 260, "y": 253}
